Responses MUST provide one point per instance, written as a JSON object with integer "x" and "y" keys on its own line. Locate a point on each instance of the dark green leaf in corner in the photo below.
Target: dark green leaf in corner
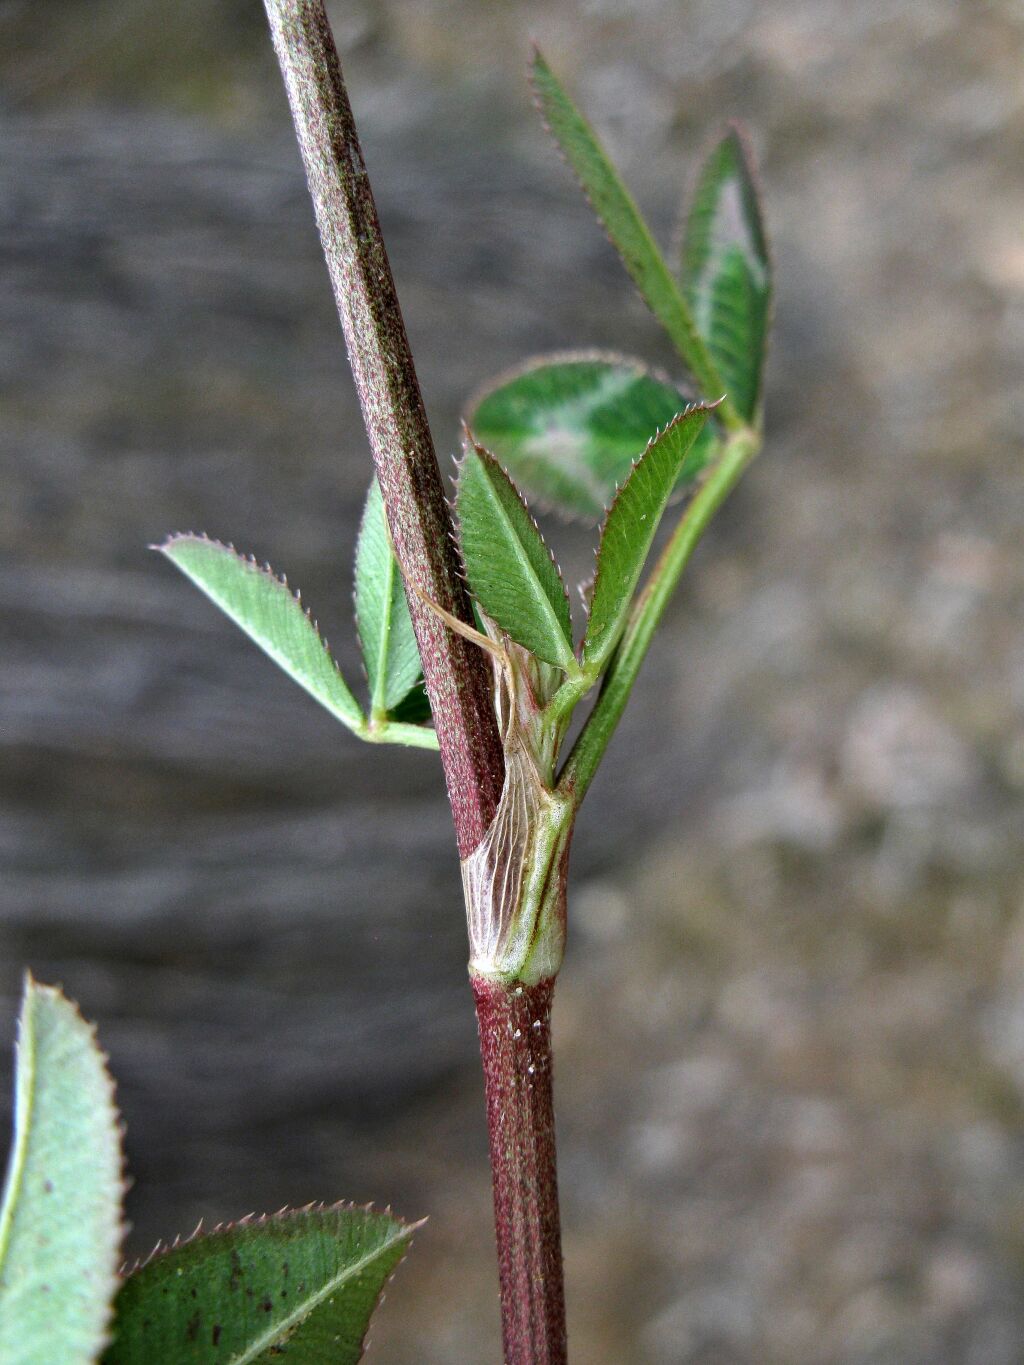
{"x": 629, "y": 530}
{"x": 60, "y": 1220}
{"x": 510, "y": 569}
{"x": 568, "y": 427}
{"x": 297, "y": 1285}
{"x": 382, "y": 613}
{"x": 267, "y": 611}
{"x": 727, "y": 270}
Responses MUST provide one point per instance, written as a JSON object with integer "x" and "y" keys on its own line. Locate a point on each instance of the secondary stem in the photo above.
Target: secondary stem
{"x": 396, "y": 422}
{"x": 580, "y": 766}
{"x": 515, "y": 1044}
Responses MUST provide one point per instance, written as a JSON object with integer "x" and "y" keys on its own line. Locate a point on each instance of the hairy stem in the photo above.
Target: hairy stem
{"x": 580, "y": 766}
{"x": 396, "y": 422}
{"x": 514, "y": 1021}
{"x": 515, "y": 1044}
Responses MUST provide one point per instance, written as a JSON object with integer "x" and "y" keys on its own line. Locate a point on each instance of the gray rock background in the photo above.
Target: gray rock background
{"x": 791, "y": 1023}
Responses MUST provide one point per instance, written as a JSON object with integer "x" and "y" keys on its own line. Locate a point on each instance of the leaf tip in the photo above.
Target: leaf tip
{"x": 737, "y": 133}
{"x": 536, "y": 58}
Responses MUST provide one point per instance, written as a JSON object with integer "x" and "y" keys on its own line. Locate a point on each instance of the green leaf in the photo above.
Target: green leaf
{"x": 382, "y": 613}
{"x": 297, "y": 1285}
{"x": 727, "y": 270}
{"x": 510, "y": 569}
{"x": 629, "y": 531}
{"x": 629, "y": 234}
{"x": 267, "y": 611}
{"x": 60, "y": 1221}
{"x": 568, "y": 427}
{"x": 414, "y": 708}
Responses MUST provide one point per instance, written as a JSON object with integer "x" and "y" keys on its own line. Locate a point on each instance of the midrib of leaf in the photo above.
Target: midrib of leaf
{"x": 609, "y": 387}
{"x": 569, "y": 659}
{"x": 579, "y": 411}
{"x": 563, "y": 448}
{"x": 703, "y": 305}
{"x": 25, "y": 1103}
{"x": 299, "y": 1314}
{"x": 726, "y": 224}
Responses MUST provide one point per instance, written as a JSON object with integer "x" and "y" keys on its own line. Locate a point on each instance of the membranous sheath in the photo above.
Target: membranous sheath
{"x": 514, "y": 881}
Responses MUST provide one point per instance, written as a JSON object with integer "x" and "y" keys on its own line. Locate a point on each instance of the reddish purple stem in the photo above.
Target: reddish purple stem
{"x": 514, "y": 1022}
{"x": 396, "y": 422}
{"x": 515, "y": 1044}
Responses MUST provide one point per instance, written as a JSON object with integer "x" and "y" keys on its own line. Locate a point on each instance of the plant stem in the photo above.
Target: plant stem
{"x": 517, "y": 1065}
{"x": 515, "y": 1044}
{"x": 396, "y": 422}
{"x": 578, "y": 772}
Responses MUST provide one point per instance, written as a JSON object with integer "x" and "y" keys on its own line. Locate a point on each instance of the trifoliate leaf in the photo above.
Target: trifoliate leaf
{"x": 382, "y": 613}
{"x": 727, "y": 270}
{"x": 510, "y": 569}
{"x": 629, "y": 530}
{"x": 60, "y": 1220}
{"x": 298, "y": 1286}
{"x": 267, "y": 611}
{"x": 568, "y": 427}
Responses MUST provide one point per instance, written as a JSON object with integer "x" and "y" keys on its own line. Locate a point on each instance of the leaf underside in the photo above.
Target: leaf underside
{"x": 60, "y": 1221}
{"x": 297, "y": 1285}
{"x": 727, "y": 270}
{"x": 264, "y": 607}
{"x": 510, "y": 569}
{"x": 617, "y": 210}
{"x": 385, "y": 628}
{"x": 414, "y": 708}
{"x": 568, "y": 427}
{"x": 629, "y": 530}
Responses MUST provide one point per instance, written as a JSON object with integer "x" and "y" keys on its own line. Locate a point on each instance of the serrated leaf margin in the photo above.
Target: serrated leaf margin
{"x": 472, "y": 446}
{"x": 344, "y": 706}
{"x": 588, "y": 660}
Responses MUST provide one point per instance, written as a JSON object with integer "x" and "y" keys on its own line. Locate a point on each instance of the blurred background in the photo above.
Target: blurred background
{"x": 790, "y": 1028}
